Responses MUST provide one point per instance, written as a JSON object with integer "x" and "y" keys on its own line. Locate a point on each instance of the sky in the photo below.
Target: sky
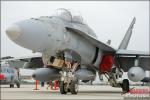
{"x": 108, "y": 19}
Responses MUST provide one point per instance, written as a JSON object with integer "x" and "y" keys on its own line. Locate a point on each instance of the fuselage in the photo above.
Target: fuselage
{"x": 49, "y": 34}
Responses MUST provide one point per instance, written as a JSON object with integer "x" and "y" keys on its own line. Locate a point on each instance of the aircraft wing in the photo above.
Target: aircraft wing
{"x": 132, "y": 52}
{"x": 83, "y": 32}
{"x": 127, "y": 59}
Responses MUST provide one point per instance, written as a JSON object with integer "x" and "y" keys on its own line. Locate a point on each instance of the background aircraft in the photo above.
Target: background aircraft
{"x": 24, "y": 62}
{"x": 9, "y": 75}
{"x": 71, "y": 52}
{"x": 25, "y": 65}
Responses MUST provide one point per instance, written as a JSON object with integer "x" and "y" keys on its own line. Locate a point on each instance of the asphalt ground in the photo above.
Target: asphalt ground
{"x": 85, "y": 92}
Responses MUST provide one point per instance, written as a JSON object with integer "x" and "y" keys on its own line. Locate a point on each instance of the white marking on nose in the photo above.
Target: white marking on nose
{"x": 13, "y": 32}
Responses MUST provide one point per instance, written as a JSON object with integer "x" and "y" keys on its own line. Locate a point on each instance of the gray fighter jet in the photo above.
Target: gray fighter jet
{"x": 9, "y": 75}
{"x": 71, "y": 51}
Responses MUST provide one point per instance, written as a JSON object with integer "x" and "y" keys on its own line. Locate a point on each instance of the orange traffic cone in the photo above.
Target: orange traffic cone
{"x": 55, "y": 85}
{"x": 36, "y": 85}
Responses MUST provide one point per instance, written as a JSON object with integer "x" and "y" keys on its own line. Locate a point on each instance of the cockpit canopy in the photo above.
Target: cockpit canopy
{"x": 69, "y": 16}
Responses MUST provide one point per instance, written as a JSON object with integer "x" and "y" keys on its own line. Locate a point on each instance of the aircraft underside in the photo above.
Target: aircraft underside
{"x": 67, "y": 68}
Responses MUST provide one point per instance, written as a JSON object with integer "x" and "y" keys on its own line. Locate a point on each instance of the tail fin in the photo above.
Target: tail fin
{"x": 125, "y": 41}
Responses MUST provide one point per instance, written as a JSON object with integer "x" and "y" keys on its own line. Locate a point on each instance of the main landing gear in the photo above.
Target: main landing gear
{"x": 113, "y": 79}
{"x": 125, "y": 86}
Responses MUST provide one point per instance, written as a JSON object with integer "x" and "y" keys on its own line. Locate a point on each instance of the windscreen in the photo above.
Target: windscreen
{"x": 69, "y": 15}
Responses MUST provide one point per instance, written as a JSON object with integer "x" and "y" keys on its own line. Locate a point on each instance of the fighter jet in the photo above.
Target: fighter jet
{"x": 9, "y": 75}
{"x": 25, "y": 65}
{"x": 71, "y": 51}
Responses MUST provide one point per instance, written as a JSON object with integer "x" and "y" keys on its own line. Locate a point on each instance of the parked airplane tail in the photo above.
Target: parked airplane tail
{"x": 126, "y": 39}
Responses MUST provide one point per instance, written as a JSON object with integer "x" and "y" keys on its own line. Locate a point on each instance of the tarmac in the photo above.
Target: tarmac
{"x": 100, "y": 92}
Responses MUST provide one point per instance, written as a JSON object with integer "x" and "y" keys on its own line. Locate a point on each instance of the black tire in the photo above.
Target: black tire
{"x": 12, "y": 82}
{"x": 125, "y": 85}
{"x": 74, "y": 87}
{"x": 18, "y": 85}
{"x": 62, "y": 88}
{"x": 11, "y": 85}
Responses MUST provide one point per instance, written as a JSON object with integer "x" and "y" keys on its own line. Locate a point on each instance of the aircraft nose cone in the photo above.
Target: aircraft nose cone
{"x": 13, "y": 32}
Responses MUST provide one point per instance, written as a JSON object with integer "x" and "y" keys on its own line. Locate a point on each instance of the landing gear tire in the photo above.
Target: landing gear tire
{"x": 125, "y": 85}
{"x": 11, "y": 85}
{"x": 18, "y": 85}
{"x": 74, "y": 87}
{"x": 63, "y": 88}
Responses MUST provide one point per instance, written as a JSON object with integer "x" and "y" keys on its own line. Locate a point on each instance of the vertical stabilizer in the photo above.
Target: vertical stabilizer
{"x": 126, "y": 39}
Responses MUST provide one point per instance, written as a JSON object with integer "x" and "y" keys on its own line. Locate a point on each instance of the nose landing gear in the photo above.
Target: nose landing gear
{"x": 69, "y": 82}
{"x": 73, "y": 87}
